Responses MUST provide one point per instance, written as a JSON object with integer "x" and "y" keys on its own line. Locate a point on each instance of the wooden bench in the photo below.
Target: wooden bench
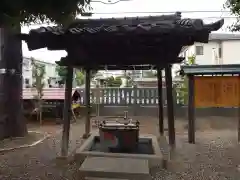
{"x": 114, "y": 168}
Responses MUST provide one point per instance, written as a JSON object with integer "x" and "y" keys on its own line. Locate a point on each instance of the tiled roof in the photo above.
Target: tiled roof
{"x": 158, "y": 24}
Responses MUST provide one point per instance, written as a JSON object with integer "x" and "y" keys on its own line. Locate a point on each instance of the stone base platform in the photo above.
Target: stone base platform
{"x": 109, "y": 167}
{"x": 156, "y": 159}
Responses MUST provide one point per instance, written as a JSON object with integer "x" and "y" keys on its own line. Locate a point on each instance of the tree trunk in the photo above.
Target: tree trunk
{"x": 4, "y": 133}
{"x": 11, "y": 86}
{"x": 40, "y": 113}
{"x": 40, "y": 117}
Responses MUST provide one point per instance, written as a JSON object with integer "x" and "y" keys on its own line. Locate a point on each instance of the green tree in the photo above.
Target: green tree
{"x": 62, "y": 72}
{"x": 234, "y": 6}
{"x": 12, "y": 15}
{"x": 80, "y": 78}
{"x": 149, "y": 74}
{"x": 182, "y": 88}
{"x": 129, "y": 80}
{"x": 114, "y": 82}
{"x": 38, "y": 73}
{"x": 79, "y": 74}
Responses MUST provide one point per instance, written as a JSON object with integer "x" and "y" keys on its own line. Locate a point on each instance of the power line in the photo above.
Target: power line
{"x": 163, "y": 12}
{"x": 172, "y": 12}
{"x": 223, "y": 17}
{"x": 109, "y": 2}
{"x": 210, "y": 17}
{"x": 215, "y": 17}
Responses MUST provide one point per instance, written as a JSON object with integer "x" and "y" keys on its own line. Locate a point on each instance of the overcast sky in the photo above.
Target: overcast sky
{"x": 141, "y": 6}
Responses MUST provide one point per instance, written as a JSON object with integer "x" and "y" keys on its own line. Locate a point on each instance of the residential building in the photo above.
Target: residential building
{"x": 222, "y": 48}
{"x": 50, "y": 79}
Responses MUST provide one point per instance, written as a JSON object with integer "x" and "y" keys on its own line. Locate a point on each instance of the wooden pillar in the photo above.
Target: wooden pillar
{"x": 170, "y": 105}
{"x": 160, "y": 102}
{"x": 87, "y": 103}
{"x": 191, "y": 110}
{"x": 67, "y": 112}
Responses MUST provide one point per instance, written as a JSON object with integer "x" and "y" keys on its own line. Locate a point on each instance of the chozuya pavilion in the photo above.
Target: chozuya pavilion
{"x": 124, "y": 43}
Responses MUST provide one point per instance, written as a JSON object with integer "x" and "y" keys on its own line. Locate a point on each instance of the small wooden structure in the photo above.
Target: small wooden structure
{"x": 211, "y": 86}
{"x": 120, "y": 44}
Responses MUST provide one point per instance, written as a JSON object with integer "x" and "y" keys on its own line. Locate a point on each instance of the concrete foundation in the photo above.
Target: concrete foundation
{"x": 155, "y": 159}
{"x": 120, "y": 168}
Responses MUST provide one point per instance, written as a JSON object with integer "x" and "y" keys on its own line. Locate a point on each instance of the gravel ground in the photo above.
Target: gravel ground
{"x": 38, "y": 162}
{"x": 214, "y": 156}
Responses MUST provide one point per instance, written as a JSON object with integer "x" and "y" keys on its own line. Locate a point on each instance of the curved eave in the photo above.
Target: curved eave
{"x": 120, "y": 66}
{"x": 54, "y": 38}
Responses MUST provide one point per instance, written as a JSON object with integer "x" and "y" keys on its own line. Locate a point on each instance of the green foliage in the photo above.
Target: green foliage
{"x": 117, "y": 81}
{"x": 38, "y": 73}
{"x": 234, "y": 6}
{"x": 129, "y": 80}
{"x": 27, "y": 11}
{"x": 79, "y": 74}
{"x": 114, "y": 82}
{"x": 182, "y": 88}
{"x": 80, "y": 78}
{"x": 62, "y": 72}
{"x": 149, "y": 74}
{"x": 191, "y": 60}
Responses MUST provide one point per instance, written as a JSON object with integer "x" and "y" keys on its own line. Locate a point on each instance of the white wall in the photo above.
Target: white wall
{"x": 230, "y": 52}
{"x": 50, "y": 71}
{"x": 27, "y": 71}
{"x": 207, "y": 57}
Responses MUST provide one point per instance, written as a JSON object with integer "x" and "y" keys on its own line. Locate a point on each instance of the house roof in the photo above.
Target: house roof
{"x": 48, "y": 93}
{"x": 210, "y": 69}
{"x": 224, "y": 36}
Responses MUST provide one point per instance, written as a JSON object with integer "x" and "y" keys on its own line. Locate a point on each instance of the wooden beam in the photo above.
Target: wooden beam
{"x": 122, "y": 67}
{"x": 170, "y": 106}
{"x": 191, "y": 110}
{"x": 87, "y": 103}
{"x": 117, "y": 63}
{"x": 67, "y": 112}
{"x": 126, "y": 67}
{"x": 160, "y": 102}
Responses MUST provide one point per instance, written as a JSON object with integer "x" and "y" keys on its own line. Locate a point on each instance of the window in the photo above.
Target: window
{"x": 220, "y": 52}
{"x": 26, "y": 65}
{"x": 199, "y": 50}
{"x": 26, "y": 81}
